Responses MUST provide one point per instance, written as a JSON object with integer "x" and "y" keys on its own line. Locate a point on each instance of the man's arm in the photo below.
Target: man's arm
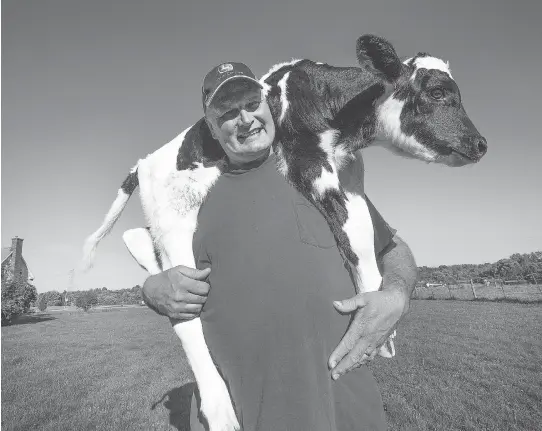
{"x": 376, "y": 313}
{"x": 399, "y": 271}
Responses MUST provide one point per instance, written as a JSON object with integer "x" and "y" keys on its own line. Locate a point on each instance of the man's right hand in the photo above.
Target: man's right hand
{"x": 178, "y": 293}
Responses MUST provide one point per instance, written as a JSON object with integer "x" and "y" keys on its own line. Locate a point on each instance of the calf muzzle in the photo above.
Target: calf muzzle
{"x": 476, "y": 147}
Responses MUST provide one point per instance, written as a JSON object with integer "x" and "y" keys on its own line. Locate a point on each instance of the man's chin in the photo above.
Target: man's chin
{"x": 251, "y": 155}
{"x": 253, "y": 147}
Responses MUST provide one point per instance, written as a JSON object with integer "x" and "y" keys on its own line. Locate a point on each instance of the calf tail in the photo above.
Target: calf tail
{"x": 128, "y": 186}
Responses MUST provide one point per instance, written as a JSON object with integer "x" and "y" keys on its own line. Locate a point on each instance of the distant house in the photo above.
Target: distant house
{"x": 428, "y": 285}
{"x": 14, "y": 266}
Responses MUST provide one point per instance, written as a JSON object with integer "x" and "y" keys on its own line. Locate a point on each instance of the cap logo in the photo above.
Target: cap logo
{"x": 226, "y": 67}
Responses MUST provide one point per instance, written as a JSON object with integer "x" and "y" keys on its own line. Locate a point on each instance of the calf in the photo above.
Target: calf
{"x": 324, "y": 115}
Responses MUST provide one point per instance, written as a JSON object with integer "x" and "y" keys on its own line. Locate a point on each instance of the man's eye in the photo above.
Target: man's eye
{"x": 437, "y": 93}
{"x": 230, "y": 115}
{"x": 252, "y": 106}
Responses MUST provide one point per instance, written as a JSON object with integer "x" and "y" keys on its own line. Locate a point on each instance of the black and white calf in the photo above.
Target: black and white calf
{"x": 323, "y": 115}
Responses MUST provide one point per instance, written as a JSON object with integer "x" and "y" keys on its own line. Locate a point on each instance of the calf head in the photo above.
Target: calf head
{"x": 423, "y": 117}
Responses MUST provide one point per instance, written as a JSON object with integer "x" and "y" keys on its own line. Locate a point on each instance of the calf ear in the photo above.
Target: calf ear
{"x": 379, "y": 53}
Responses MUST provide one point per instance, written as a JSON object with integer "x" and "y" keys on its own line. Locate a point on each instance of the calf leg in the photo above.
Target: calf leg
{"x": 350, "y": 221}
{"x": 352, "y": 226}
{"x": 360, "y": 232}
{"x": 139, "y": 243}
{"x": 174, "y": 239}
{"x": 308, "y": 156}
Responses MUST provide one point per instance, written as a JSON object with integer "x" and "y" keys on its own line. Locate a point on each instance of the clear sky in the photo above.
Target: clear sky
{"x": 88, "y": 87}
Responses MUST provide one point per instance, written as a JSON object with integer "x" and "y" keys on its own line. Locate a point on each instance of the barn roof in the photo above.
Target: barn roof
{"x": 6, "y": 251}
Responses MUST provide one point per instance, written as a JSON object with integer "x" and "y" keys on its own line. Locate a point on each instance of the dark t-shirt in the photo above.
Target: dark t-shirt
{"x": 269, "y": 321}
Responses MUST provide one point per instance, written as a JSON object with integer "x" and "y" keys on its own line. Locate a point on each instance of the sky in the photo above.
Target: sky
{"x": 89, "y": 87}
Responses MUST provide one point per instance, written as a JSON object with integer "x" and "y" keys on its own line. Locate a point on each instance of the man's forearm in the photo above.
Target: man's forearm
{"x": 399, "y": 270}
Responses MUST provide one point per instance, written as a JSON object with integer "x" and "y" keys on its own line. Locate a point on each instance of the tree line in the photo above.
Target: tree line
{"x": 98, "y": 296}
{"x": 526, "y": 268}
{"x": 19, "y": 296}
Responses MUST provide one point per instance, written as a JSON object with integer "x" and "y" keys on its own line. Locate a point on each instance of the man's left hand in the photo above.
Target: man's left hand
{"x": 376, "y": 316}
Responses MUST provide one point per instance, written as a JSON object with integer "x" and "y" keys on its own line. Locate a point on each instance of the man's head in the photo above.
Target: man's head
{"x": 237, "y": 113}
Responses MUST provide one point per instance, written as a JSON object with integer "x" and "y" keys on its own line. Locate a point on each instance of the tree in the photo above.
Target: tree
{"x": 17, "y": 297}
{"x": 53, "y": 298}
{"x": 86, "y": 300}
{"x": 42, "y": 302}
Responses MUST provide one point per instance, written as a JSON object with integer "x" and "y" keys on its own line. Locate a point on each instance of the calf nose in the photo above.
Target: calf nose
{"x": 481, "y": 145}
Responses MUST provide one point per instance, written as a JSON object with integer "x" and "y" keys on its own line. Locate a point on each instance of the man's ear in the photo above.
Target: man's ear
{"x": 210, "y": 127}
{"x": 380, "y": 54}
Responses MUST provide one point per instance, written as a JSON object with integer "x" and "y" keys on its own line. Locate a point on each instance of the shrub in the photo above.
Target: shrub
{"x": 17, "y": 296}
{"x": 42, "y": 303}
{"x": 86, "y": 300}
{"x": 53, "y": 298}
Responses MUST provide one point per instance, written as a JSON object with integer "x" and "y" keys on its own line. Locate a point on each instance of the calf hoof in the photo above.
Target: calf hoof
{"x": 387, "y": 350}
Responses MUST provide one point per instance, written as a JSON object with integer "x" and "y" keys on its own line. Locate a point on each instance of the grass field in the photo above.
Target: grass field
{"x": 516, "y": 292}
{"x": 461, "y": 365}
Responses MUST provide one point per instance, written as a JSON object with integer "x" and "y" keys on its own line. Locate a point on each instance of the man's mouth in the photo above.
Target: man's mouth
{"x": 242, "y": 137}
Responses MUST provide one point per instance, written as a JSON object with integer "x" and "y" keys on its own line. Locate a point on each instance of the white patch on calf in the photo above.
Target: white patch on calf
{"x": 341, "y": 156}
{"x": 360, "y": 232}
{"x": 430, "y": 63}
{"x": 327, "y": 180}
{"x": 273, "y": 69}
{"x": 282, "y": 84}
{"x": 171, "y": 203}
{"x": 190, "y": 187}
{"x": 281, "y": 162}
{"x": 171, "y": 199}
{"x": 389, "y": 127}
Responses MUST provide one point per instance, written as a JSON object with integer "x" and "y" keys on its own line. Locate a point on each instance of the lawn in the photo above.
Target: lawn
{"x": 460, "y": 366}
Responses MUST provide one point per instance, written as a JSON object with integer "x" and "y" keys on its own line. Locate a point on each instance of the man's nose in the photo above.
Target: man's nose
{"x": 246, "y": 117}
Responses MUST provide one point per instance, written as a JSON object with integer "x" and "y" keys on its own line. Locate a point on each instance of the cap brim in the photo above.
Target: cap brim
{"x": 231, "y": 78}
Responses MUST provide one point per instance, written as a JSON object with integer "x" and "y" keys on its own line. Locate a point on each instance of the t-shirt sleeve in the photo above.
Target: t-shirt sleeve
{"x": 383, "y": 232}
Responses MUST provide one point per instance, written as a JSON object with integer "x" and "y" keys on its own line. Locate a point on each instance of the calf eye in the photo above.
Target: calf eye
{"x": 437, "y": 93}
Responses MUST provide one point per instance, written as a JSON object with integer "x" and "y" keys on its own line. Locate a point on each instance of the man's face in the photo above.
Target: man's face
{"x": 240, "y": 119}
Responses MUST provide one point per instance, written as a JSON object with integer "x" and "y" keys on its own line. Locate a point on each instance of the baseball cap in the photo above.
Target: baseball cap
{"x": 221, "y": 74}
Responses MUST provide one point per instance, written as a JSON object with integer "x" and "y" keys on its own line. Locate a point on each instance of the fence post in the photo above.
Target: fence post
{"x": 449, "y": 291}
{"x": 473, "y": 291}
{"x": 502, "y": 288}
{"x": 536, "y": 283}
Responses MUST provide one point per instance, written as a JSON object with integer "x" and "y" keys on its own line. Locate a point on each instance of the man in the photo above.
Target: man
{"x": 275, "y": 270}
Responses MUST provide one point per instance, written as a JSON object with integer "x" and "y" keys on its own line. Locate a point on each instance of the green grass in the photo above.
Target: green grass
{"x": 460, "y": 366}
{"x": 99, "y": 370}
{"x": 510, "y": 293}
